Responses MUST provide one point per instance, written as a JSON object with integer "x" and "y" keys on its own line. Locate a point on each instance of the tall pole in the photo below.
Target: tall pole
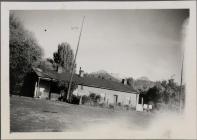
{"x": 73, "y": 65}
{"x": 180, "y": 102}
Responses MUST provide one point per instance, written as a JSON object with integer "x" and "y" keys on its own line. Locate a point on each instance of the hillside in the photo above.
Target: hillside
{"x": 140, "y": 83}
{"x": 104, "y": 75}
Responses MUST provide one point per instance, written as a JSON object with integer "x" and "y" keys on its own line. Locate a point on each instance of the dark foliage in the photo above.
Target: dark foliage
{"x": 64, "y": 57}
{"x": 85, "y": 99}
{"x": 102, "y": 75}
{"x": 164, "y": 94}
{"x": 24, "y": 52}
{"x": 63, "y": 87}
{"x": 111, "y": 106}
{"x": 75, "y": 99}
{"x": 95, "y": 98}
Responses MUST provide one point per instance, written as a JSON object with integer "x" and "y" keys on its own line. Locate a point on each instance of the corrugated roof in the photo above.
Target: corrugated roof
{"x": 86, "y": 81}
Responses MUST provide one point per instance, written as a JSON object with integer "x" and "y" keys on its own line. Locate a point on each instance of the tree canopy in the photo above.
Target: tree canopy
{"x": 64, "y": 56}
{"x": 166, "y": 93}
{"x": 24, "y": 51}
{"x": 102, "y": 74}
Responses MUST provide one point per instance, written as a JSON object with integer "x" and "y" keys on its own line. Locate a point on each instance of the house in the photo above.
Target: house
{"x": 44, "y": 85}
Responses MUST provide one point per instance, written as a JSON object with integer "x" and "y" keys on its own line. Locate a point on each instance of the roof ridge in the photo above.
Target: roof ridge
{"x": 88, "y": 81}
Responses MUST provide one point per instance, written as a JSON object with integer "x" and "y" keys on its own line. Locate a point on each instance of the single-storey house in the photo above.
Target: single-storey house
{"x": 43, "y": 84}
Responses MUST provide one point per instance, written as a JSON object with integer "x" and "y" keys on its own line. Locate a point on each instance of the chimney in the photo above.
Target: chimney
{"x": 124, "y": 81}
{"x": 81, "y": 72}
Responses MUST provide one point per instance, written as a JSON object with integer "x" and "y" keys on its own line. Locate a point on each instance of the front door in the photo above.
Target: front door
{"x": 115, "y": 99}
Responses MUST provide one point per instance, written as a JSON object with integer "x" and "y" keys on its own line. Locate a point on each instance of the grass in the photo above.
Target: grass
{"x": 37, "y": 115}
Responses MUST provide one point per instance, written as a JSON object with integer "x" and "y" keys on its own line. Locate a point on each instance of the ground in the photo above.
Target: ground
{"x": 36, "y": 115}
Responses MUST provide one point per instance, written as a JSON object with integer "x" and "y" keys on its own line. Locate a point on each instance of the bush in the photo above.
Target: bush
{"x": 94, "y": 99}
{"x": 111, "y": 106}
{"x": 85, "y": 99}
{"x": 119, "y": 103}
{"x": 92, "y": 96}
{"x": 75, "y": 99}
{"x": 101, "y": 104}
{"x": 97, "y": 98}
{"x": 63, "y": 86}
{"x": 126, "y": 106}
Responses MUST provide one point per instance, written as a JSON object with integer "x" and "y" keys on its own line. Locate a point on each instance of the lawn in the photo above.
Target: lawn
{"x": 36, "y": 115}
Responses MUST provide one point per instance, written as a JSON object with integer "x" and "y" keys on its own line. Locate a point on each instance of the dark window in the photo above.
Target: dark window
{"x": 115, "y": 98}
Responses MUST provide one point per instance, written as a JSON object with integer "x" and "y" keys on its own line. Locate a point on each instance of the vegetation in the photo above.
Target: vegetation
{"x": 63, "y": 86}
{"x": 75, "y": 99}
{"x": 47, "y": 65}
{"x": 102, "y": 75}
{"x": 161, "y": 94}
{"x": 164, "y": 94}
{"x": 64, "y": 57}
{"x": 24, "y": 52}
{"x": 85, "y": 99}
{"x": 92, "y": 99}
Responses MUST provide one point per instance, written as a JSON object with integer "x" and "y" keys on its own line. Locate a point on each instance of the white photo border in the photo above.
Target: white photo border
{"x": 191, "y": 97}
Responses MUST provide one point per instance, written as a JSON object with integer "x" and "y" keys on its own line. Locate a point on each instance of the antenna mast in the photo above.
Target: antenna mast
{"x": 72, "y": 72}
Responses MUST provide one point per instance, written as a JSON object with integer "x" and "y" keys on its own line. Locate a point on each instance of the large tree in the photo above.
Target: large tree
{"x": 47, "y": 64}
{"x": 131, "y": 82}
{"x": 166, "y": 93}
{"x": 24, "y": 51}
{"x": 64, "y": 56}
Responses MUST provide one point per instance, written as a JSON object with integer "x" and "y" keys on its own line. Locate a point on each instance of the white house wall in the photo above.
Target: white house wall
{"x": 123, "y": 97}
{"x": 107, "y": 95}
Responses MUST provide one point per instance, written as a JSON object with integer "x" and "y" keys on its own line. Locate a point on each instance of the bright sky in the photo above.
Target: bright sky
{"x": 126, "y": 42}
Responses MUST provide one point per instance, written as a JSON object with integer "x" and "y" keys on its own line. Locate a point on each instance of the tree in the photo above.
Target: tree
{"x": 63, "y": 86}
{"x": 24, "y": 52}
{"x": 130, "y": 82}
{"x": 102, "y": 74}
{"x": 143, "y": 84}
{"x": 47, "y": 64}
{"x": 50, "y": 60}
{"x": 166, "y": 93}
{"x": 173, "y": 91}
{"x": 64, "y": 57}
{"x": 94, "y": 98}
{"x": 153, "y": 95}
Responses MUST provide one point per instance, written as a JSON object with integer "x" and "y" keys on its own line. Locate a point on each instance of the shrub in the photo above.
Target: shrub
{"x": 126, "y": 106}
{"x": 101, "y": 104}
{"x": 92, "y": 96}
{"x": 111, "y": 106}
{"x": 85, "y": 99}
{"x": 119, "y": 103}
{"x": 75, "y": 99}
{"x": 63, "y": 86}
{"x": 97, "y": 98}
{"x": 94, "y": 99}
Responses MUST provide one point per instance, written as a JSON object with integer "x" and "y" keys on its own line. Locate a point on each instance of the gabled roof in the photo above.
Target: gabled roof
{"x": 86, "y": 81}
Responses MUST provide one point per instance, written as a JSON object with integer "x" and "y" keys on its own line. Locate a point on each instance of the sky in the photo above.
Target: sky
{"x": 127, "y": 43}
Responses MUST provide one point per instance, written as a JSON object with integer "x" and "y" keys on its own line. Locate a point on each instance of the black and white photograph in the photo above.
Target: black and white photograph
{"x": 93, "y": 72}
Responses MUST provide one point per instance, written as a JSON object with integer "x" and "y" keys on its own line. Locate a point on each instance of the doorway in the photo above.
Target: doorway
{"x": 115, "y": 99}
